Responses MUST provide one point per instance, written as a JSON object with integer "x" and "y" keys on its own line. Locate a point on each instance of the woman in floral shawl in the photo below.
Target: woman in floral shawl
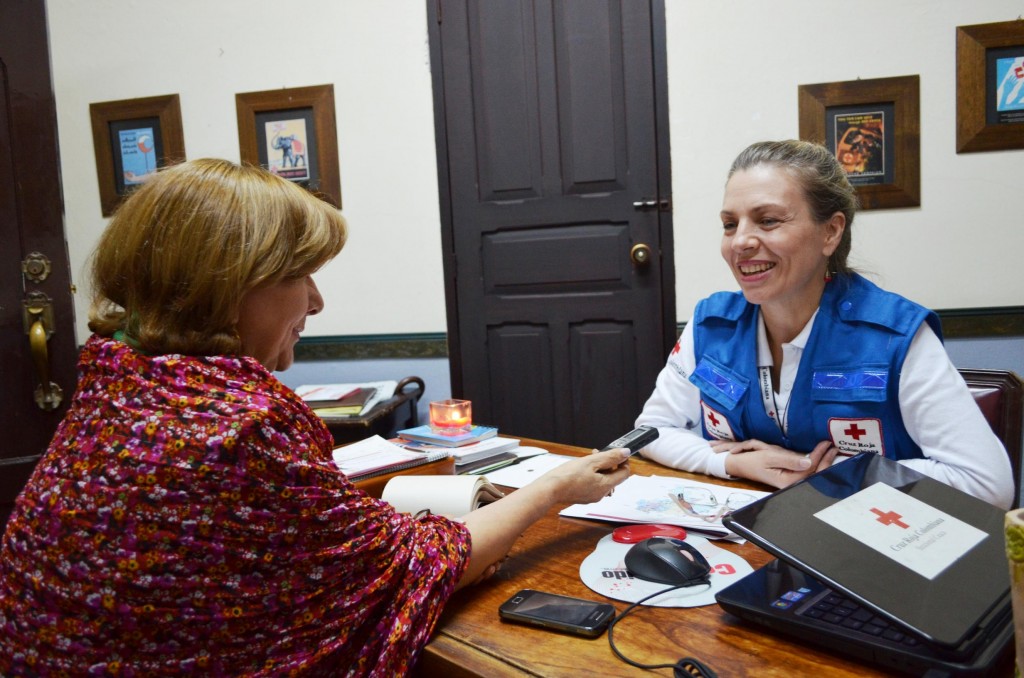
{"x": 187, "y": 517}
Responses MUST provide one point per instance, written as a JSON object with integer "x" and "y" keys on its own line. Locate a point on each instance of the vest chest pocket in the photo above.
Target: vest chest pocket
{"x": 719, "y": 382}
{"x": 854, "y": 384}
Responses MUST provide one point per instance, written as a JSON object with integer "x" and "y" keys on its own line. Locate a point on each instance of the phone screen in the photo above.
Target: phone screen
{"x": 560, "y": 612}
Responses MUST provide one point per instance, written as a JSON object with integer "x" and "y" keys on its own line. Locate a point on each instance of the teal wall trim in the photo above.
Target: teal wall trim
{"x": 999, "y": 321}
{"x": 373, "y": 346}
{"x": 969, "y": 323}
{"x": 957, "y": 323}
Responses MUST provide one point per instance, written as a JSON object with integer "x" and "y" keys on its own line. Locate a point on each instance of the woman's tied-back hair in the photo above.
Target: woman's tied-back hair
{"x": 824, "y": 182}
{"x": 172, "y": 266}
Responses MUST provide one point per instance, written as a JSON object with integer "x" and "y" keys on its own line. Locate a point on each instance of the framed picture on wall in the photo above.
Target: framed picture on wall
{"x": 132, "y": 139}
{"x": 874, "y": 129}
{"x": 990, "y": 87}
{"x": 292, "y": 133}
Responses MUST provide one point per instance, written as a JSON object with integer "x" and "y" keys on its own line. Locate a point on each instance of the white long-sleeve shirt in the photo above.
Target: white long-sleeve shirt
{"x": 938, "y": 411}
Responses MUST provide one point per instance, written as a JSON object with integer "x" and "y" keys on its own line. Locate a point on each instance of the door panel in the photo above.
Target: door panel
{"x": 518, "y": 376}
{"x": 547, "y": 139}
{"x": 31, "y": 220}
{"x": 575, "y": 259}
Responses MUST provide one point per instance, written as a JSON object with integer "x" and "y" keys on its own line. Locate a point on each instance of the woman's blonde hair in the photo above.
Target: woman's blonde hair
{"x": 824, "y": 181}
{"x": 172, "y": 266}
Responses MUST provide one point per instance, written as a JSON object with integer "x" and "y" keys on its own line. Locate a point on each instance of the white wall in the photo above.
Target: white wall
{"x": 388, "y": 279}
{"x": 734, "y": 68}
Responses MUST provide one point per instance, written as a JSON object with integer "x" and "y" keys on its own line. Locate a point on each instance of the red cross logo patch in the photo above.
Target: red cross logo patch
{"x": 890, "y": 518}
{"x": 853, "y": 436}
{"x": 715, "y": 423}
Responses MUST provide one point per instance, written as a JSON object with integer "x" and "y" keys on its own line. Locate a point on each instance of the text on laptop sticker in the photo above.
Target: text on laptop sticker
{"x": 914, "y": 534}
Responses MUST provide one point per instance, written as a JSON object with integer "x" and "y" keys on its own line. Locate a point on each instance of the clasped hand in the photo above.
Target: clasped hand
{"x": 771, "y": 464}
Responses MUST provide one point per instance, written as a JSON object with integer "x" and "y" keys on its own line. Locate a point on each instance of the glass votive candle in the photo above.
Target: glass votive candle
{"x": 451, "y": 417}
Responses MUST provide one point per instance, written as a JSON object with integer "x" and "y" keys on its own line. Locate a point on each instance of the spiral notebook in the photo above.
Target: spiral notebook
{"x": 452, "y": 496}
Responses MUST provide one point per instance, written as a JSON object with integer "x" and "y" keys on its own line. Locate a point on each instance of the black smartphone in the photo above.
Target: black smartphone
{"x": 635, "y": 440}
{"x": 562, "y": 613}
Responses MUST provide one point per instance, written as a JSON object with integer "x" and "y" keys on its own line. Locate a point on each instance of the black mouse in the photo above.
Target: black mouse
{"x": 667, "y": 561}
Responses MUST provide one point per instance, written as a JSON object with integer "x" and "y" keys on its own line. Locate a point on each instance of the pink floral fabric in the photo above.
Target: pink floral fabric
{"x": 188, "y": 518}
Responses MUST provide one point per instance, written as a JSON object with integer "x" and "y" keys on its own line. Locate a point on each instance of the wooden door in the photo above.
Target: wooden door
{"x": 553, "y": 159}
{"x": 31, "y": 221}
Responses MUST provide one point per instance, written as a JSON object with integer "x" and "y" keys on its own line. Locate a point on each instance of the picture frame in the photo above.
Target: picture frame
{"x": 874, "y": 128}
{"x": 990, "y": 87}
{"x": 133, "y": 138}
{"x": 292, "y": 132}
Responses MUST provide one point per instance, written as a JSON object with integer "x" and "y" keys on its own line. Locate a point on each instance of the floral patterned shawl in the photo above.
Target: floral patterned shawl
{"x": 188, "y": 518}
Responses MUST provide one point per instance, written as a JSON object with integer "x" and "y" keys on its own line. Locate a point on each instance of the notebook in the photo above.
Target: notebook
{"x": 881, "y": 562}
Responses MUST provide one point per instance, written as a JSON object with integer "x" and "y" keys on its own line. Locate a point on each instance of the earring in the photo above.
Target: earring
{"x": 828, "y": 276}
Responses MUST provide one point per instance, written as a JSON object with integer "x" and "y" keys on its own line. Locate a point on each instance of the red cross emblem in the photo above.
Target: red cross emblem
{"x": 855, "y": 431}
{"x": 675, "y": 349}
{"x": 712, "y": 418}
{"x": 1019, "y": 71}
{"x": 889, "y": 518}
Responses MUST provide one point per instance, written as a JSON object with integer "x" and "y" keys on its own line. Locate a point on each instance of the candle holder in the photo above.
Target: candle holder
{"x": 451, "y": 417}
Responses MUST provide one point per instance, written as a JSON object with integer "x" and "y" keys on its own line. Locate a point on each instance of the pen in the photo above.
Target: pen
{"x": 504, "y": 463}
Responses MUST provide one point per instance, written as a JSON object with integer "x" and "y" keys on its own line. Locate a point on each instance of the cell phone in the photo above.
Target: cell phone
{"x": 562, "y": 613}
{"x": 635, "y": 440}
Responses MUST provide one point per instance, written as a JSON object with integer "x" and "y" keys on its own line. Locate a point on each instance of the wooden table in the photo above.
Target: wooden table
{"x": 472, "y": 641}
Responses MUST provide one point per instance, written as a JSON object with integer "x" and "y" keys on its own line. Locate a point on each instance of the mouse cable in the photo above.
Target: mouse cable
{"x": 687, "y": 667}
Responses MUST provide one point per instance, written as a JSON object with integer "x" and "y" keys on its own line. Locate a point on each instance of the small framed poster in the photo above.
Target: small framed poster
{"x": 132, "y": 139}
{"x": 990, "y": 87}
{"x": 874, "y": 129}
{"x": 292, "y": 133}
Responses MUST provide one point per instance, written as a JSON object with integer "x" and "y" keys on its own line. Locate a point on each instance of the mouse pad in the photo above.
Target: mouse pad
{"x": 604, "y": 572}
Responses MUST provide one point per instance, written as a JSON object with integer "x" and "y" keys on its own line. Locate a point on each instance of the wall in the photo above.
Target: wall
{"x": 389, "y": 278}
{"x": 734, "y": 68}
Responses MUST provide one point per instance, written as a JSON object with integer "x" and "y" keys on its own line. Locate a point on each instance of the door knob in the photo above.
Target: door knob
{"x": 640, "y": 254}
{"x": 38, "y": 319}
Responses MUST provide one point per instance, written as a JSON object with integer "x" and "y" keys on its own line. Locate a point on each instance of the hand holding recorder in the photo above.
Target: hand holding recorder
{"x": 635, "y": 440}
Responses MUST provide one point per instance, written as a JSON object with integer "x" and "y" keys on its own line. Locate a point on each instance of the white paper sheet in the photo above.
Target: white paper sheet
{"x": 528, "y": 470}
{"x": 656, "y": 499}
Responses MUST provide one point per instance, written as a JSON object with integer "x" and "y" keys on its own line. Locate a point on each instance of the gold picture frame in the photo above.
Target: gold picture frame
{"x": 985, "y": 120}
{"x": 133, "y": 138}
{"x": 292, "y": 132}
{"x": 874, "y": 128}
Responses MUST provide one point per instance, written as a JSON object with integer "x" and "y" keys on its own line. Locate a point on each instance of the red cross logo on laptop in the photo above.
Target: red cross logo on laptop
{"x": 889, "y": 518}
{"x": 855, "y": 431}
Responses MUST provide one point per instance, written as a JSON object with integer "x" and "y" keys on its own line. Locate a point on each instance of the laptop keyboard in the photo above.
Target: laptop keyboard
{"x": 835, "y": 608}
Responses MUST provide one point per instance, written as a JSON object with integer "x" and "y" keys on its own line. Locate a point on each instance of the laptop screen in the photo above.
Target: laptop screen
{"x": 909, "y": 546}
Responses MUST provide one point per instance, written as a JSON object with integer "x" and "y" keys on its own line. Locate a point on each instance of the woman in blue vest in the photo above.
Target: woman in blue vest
{"x": 810, "y": 361}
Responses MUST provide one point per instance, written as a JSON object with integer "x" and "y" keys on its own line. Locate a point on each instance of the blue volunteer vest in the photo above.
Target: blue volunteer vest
{"x": 847, "y": 382}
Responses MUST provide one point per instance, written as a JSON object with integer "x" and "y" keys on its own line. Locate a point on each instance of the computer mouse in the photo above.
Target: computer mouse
{"x": 667, "y": 561}
{"x": 631, "y": 534}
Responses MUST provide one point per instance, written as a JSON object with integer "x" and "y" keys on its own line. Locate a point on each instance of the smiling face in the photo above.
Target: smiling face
{"x": 271, "y": 318}
{"x": 775, "y": 249}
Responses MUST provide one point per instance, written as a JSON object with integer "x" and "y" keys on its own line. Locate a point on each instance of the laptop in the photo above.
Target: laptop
{"x": 883, "y": 563}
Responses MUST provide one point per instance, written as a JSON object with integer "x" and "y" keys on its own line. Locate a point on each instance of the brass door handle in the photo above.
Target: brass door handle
{"x": 640, "y": 254}
{"x": 38, "y": 315}
{"x": 37, "y": 340}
